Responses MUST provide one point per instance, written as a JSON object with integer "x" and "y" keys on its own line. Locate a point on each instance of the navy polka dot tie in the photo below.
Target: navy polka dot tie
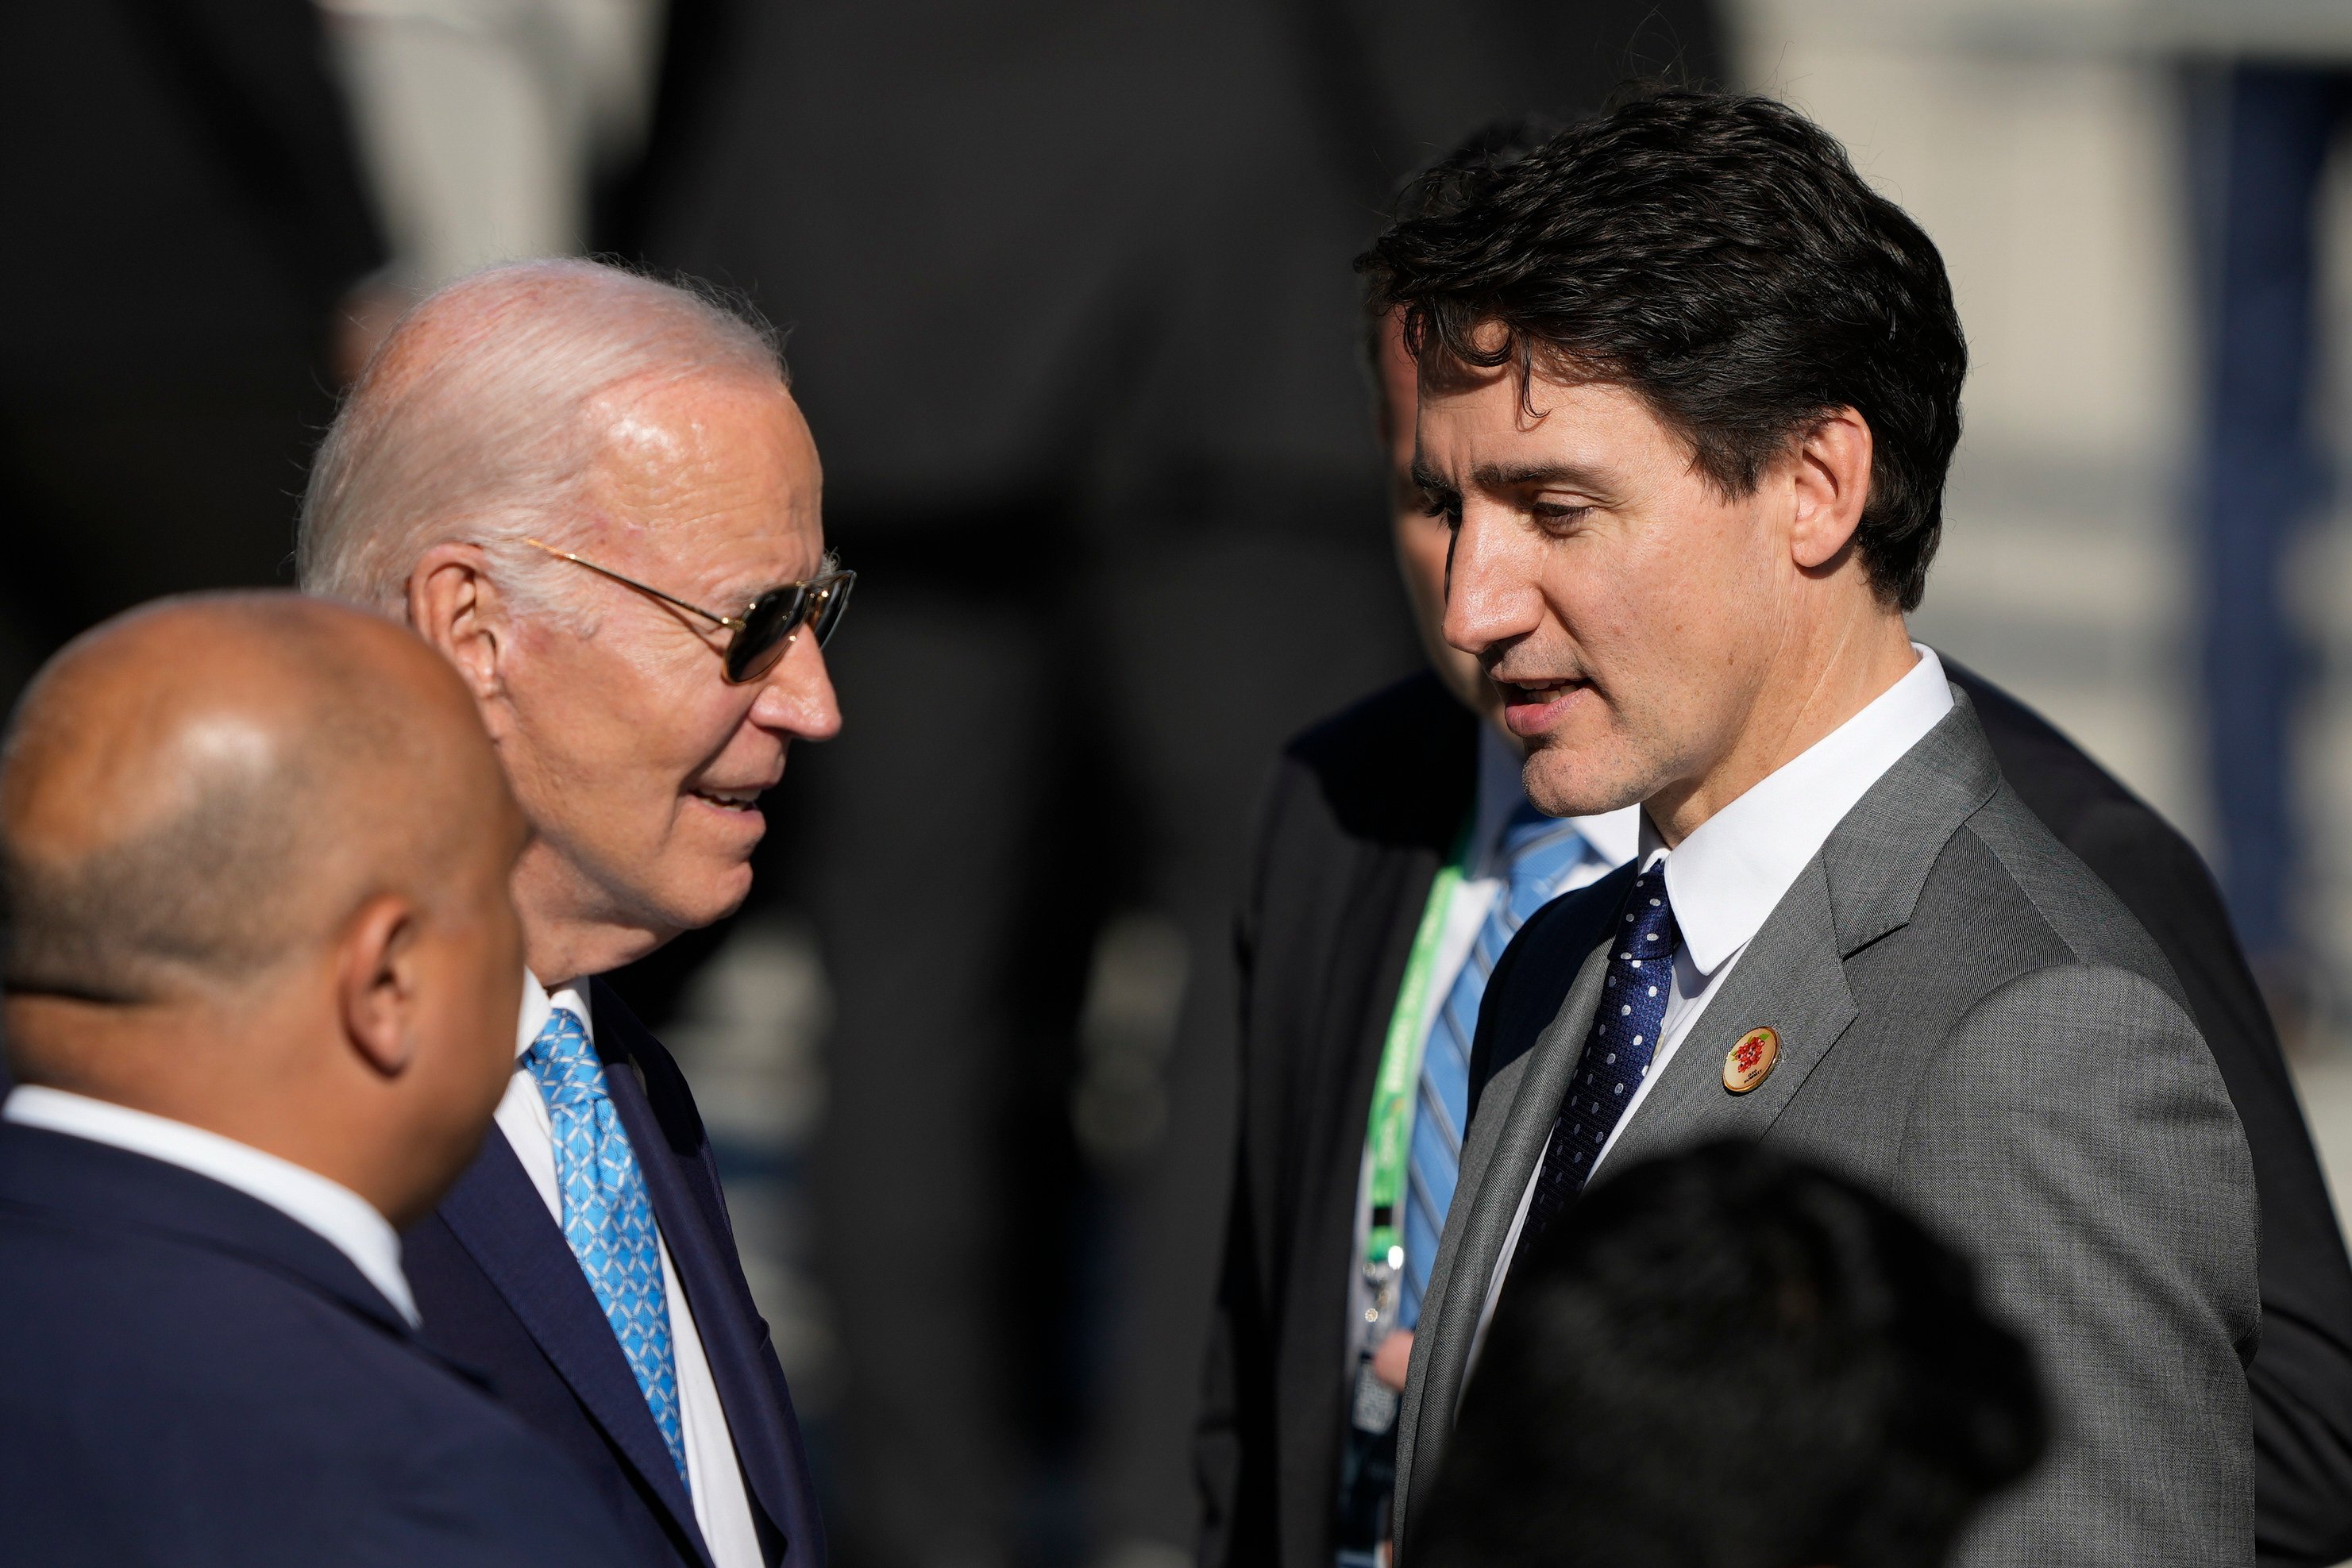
{"x": 1617, "y": 1050}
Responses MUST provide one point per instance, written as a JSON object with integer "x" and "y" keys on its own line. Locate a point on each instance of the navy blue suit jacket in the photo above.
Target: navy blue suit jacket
{"x": 501, "y": 1292}
{"x": 189, "y": 1377}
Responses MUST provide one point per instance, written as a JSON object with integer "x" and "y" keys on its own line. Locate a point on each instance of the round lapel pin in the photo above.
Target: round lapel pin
{"x": 1749, "y": 1062}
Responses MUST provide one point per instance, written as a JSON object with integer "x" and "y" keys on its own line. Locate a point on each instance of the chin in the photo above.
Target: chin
{"x": 1563, "y": 783}
{"x": 710, "y": 895}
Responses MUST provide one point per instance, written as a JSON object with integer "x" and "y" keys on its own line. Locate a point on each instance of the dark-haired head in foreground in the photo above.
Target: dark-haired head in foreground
{"x": 1732, "y": 1359}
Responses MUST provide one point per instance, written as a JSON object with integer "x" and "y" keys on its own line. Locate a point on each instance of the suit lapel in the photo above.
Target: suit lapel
{"x": 724, "y": 1316}
{"x": 498, "y": 1217}
{"x": 1486, "y": 1203}
{"x": 1791, "y": 978}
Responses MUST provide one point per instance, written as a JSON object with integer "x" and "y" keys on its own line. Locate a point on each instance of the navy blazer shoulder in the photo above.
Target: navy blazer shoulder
{"x": 501, "y": 1293}
{"x": 187, "y": 1376}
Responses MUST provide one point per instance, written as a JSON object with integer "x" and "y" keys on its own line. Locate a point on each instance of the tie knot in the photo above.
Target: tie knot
{"x": 1647, "y": 930}
{"x": 564, "y": 1063}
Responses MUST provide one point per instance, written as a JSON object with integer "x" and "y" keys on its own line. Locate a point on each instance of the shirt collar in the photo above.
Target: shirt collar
{"x": 345, "y": 1220}
{"x": 1611, "y": 837}
{"x": 1726, "y": 877}
{"x": 537, "y": 1003}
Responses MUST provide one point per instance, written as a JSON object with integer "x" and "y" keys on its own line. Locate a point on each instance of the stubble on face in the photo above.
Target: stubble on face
{"x": 1624, "y": 607}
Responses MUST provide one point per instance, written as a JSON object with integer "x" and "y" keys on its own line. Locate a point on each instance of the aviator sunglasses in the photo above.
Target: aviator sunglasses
{"x": 767, "y": 626}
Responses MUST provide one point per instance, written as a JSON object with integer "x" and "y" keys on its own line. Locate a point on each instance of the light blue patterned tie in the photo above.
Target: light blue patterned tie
{"x": 1538, "y": 852}
{"x": 607, "y": 1218}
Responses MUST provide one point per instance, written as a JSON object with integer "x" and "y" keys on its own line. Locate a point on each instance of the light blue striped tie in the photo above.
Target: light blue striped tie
{"x": 1539, "y": 851}
{"x": 607, "y": 1218}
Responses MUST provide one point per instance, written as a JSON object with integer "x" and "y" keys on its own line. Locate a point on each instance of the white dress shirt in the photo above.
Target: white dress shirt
{"x": 1724, "y": 880}
{"x": 721, "y": 1509}
{"x": 342, "y": 1217}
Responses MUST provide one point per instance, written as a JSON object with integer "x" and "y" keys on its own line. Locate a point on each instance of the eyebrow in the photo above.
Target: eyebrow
{"x": 1497, "y": 476}
{"x": 1494, "y": 476}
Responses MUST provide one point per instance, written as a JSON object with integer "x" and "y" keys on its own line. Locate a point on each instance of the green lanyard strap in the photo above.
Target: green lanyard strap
{"x": 1389, "y": 1135}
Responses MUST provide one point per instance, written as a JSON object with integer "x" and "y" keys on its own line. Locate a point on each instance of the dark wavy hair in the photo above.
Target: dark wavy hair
{"x": 1731, "y": 1358}
{"x": 1718, "y": 255}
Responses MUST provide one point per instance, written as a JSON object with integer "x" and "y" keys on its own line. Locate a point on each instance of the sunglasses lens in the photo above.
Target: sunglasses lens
{"x": 767, "y": 626}
{"x": 834, "y": 599}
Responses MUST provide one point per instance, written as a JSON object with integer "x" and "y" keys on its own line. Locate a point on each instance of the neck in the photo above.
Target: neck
{"x": 1799, "y": 704}
{"x": 568, "y": 934}
{"x": 251, "y": 1073}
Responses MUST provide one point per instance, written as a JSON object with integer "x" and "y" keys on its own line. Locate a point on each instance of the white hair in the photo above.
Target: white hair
{"x": 477, "y": 419}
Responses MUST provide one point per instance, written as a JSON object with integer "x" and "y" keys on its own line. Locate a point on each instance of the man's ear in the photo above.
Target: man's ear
{"x": 454, "y": 606}
{"x": 376, "y": 982}
{"x": 1831, "y": 485}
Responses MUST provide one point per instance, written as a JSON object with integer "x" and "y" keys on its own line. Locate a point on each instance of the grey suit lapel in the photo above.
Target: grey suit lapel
{"x": 1791, "y": 978}
{"x": 1496, "y": 1168}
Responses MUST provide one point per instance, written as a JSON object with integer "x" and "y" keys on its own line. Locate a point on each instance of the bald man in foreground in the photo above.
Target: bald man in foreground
{"x": 260, "y": 976}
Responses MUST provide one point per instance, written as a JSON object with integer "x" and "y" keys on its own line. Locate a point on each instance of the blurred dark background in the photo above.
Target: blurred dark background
{"x": 1069, "y": 307}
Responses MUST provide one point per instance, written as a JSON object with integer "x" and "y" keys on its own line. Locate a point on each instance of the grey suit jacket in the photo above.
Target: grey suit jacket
{"x": 1970, "y": 1022}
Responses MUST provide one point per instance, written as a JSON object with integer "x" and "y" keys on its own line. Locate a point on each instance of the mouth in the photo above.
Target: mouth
{"x": 746, "y": 800}
{"x": 1531, "y": 707}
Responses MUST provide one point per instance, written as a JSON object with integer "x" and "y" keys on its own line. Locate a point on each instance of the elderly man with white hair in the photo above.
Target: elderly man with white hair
{"x": 595, "y": 496}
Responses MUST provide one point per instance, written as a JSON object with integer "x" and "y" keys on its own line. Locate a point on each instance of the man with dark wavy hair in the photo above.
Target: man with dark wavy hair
{"x": 1688, "y": 392}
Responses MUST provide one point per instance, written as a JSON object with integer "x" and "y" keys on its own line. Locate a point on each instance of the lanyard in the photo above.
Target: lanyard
{"x": 1389, "y": 1135}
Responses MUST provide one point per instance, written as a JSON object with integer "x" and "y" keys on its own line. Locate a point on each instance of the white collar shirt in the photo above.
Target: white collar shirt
{"x": 722, "y": 1509}
{"x": 342, "y": 1217}
{"x": 1724, "y": 880}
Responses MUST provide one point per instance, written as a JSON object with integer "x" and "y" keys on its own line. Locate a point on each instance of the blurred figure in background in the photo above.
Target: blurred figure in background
{"x": 185, "y": 216}
{"x": 593, "y": 495}
{"x": 1069, "y": 304}
{"x": 259, "y": 967}
{"x": 1397, "y": 854}
{"x": 488, "y": 129}
{"x": 2266, "y": 116}
{"x": 1731, "y": 1358}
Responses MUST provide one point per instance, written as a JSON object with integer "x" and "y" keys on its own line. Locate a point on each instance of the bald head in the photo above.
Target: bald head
{"x": 205, "y": 788}
{"x": 484, "y": 413}
{"x": 254, "y": 856}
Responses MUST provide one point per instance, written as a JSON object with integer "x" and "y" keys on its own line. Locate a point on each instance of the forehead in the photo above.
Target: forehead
{"x": 1473, "y": 424}
{"x": 715, "y": 474}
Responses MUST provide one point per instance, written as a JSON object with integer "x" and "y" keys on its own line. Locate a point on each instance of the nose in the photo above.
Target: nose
{"x": 796, "y": 698}
{"x": 1491, "y": 595}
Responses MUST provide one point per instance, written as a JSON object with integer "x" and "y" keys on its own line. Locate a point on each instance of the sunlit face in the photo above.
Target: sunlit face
{"x": 639, "y": 765}
{"x": 1627, "y": 610}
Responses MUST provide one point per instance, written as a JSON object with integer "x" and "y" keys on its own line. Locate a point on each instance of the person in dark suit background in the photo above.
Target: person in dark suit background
{"x": 593, "y": 495}
{"x": 1359, "y": 820}
{"x": 259, "y": 966}
{"x": 187, "y": 214}
{"x": 1070, "y": 313}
